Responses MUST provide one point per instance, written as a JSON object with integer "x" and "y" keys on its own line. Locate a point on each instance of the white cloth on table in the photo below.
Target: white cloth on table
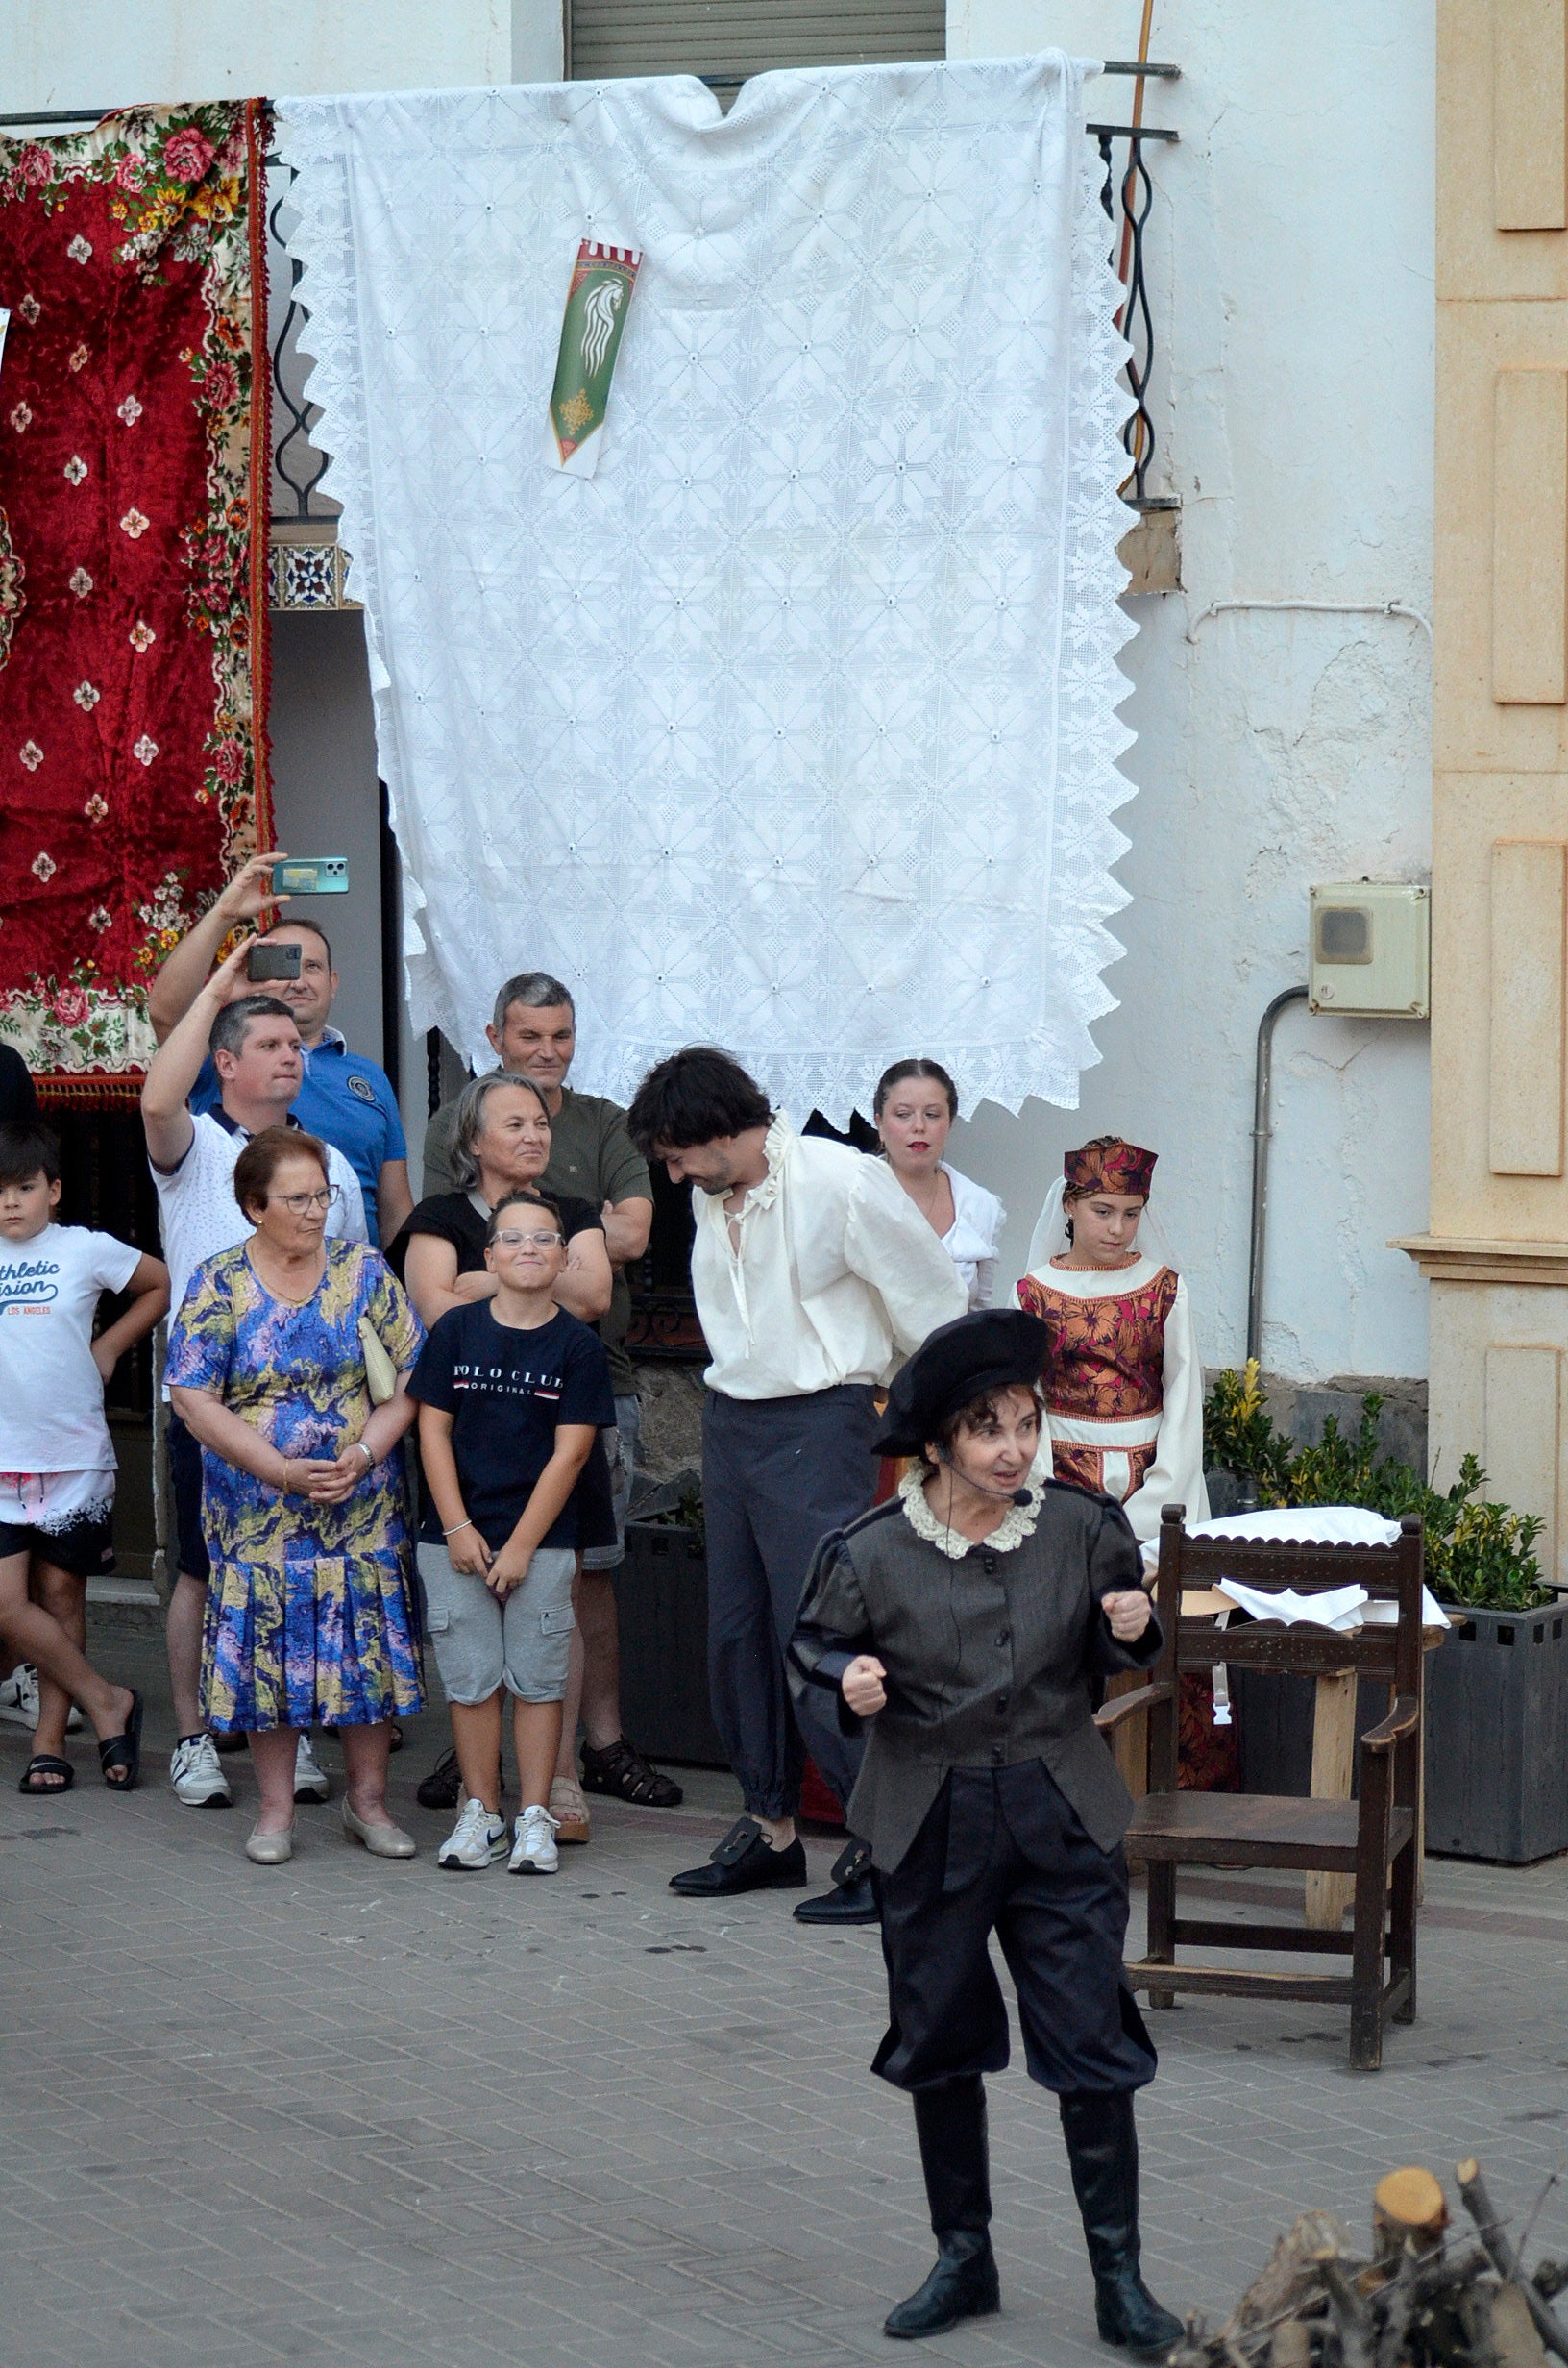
{"x": 794, "y": 728}
{"x": 970, "y": 1241}
{"x": 838, "y": 1276}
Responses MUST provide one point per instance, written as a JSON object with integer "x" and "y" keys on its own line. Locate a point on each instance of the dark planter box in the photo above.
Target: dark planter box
{"x": 661, "y": 1594}
{"x": 1274, "y": 1721}
{"x": 1497, "y": 1736}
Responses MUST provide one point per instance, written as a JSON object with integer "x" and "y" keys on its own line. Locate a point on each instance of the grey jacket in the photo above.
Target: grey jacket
{"x": 988, "y": 1658}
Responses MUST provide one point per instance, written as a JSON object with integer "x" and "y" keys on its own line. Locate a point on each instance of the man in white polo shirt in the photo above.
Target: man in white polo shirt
{"x": 254, "y": 1046}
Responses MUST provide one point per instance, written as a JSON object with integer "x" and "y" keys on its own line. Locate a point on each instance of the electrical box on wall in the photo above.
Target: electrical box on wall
{"x": 1371, "y": 949}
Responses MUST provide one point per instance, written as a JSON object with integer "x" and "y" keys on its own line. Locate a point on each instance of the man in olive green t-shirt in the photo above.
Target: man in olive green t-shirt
{"x": 592, "y": 1158}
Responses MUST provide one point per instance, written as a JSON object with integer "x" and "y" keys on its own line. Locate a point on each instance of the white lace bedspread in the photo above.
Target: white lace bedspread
{"x": 794, "y": 727}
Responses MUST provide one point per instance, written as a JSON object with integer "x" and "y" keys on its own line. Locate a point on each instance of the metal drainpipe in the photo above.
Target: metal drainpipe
{"x": 1261, "y": 1132}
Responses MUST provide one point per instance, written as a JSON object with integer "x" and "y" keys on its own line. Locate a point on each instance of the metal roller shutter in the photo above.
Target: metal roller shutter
{"x": 725, "y": 41}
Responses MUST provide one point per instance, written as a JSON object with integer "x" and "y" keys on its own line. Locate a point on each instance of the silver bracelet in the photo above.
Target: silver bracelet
{"x": 370, "y": 1460}
{"x": 456, "y": 1527}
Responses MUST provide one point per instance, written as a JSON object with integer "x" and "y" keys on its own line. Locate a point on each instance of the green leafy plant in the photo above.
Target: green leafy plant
{"x": 1478, "y": 1553}
{"x": 686, "y": 1515}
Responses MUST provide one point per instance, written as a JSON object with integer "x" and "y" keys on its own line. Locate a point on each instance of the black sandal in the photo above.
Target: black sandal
{"x": 125, "y": 1750}
{"x": 45, "y": 1761}
{"x": 620, "y": 1770}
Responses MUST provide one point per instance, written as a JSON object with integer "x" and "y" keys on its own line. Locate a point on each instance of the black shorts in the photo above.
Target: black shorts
{"x": 594, "y": 1499}
{"x": 185, "y": 1488}
{"x": 84, "y": 1546}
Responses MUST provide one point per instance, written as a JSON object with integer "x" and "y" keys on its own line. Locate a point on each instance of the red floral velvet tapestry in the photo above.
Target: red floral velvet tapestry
{"x": 133, "y": 566}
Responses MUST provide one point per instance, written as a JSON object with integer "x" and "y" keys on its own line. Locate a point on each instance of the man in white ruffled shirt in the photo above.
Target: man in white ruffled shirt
{"x": 815, "y": 1275}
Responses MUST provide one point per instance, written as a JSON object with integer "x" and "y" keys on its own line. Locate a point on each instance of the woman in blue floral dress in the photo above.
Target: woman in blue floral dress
{"x": 309, "y": 1614}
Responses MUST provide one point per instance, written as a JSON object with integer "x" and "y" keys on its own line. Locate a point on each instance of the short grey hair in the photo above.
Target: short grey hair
{"x": 537, "y": 990}
{"x": 469, "y": 1124}
{"x": 232, "y": 1026}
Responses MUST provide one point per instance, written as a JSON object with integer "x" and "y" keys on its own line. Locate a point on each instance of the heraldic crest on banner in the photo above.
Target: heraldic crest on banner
{"x": 594, "y": 319}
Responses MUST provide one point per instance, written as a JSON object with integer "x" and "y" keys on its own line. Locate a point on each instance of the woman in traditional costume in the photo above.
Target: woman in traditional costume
{"x": 961, "y": 1626}
{"x": 1123, "y": 1382}
{"x": 916, "y": 1104}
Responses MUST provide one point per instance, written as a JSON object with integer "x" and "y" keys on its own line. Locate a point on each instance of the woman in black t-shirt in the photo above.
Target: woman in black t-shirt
{"x": 501, "y": 1141}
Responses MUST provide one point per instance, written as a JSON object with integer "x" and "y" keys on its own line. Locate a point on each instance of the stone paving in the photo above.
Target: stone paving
{"x": 353, "y": 2111}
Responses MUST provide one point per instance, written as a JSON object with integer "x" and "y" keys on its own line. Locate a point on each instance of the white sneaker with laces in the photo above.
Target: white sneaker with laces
{"x": 478, "y": 1838}
{"x": 197, "y": 1775}
{"x": 19, "y": 1700}
{"x": 534, "y": 1848}
{"x": 309, "y": 1776}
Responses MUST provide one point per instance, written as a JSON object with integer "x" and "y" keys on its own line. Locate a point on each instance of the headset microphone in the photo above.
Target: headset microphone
{"x": 1007, "y": 1497}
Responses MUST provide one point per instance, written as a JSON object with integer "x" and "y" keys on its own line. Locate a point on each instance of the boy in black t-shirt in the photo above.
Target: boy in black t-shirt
{"x": 512, "y": 1392}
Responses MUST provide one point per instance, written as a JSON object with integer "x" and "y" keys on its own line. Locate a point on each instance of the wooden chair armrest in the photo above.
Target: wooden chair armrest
{"x": 1401, "y": 1720}
{"x": 1125, "y": 1704}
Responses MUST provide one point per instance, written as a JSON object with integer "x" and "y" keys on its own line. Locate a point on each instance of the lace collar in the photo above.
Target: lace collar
{"x": 1016, "y": 1523}
{"x": 776, "y": 1145}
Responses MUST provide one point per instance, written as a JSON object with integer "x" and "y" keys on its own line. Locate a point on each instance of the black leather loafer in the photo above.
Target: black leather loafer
{"x": 743, "y": 1861}
{"x": 852, "y": 1899}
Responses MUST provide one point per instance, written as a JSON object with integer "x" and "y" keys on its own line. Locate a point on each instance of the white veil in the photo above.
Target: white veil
{"x": 1049, "y": 1238}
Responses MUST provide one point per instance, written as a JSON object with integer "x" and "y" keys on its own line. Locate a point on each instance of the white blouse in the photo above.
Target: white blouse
{"x": 970, "y": 1241}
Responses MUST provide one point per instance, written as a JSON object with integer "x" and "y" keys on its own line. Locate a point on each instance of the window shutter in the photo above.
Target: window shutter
{"x": 726, "y": 40}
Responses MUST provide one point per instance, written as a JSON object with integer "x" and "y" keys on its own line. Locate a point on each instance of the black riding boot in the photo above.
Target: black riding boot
{"x": 1102, "y": 2150}
{"x": 950, "y": 2123}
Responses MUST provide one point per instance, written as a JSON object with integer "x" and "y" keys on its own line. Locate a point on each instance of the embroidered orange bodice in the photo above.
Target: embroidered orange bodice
{"x": 1106, "y": 1355}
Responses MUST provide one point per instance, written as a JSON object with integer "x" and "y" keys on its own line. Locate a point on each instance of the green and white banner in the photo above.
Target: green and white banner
{"x": 597, "y": 305}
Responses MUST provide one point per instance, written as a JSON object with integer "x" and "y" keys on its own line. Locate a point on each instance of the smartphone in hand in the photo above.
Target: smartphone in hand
{"x": 312, "y": 876}
{"x": 273, "y": 962}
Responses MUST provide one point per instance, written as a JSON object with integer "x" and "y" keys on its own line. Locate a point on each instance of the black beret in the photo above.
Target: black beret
{"x": 987, "y": 1349}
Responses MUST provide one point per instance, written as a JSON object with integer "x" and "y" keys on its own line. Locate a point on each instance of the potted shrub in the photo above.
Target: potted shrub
{"x": 1497, "y": 1690}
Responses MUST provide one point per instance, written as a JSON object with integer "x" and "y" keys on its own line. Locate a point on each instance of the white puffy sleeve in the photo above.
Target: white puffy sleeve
{"x": 1175, "y": 1477}
{"x": 890, "y": 1246}
{"x": 991, "y": 1217}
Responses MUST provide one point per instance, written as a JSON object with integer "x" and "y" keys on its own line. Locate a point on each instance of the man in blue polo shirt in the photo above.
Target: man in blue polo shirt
{"x": 344, "y": 1098}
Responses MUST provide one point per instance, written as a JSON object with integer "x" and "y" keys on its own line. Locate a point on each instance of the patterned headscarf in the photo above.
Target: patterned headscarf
{"x": 1115, "y": 1166}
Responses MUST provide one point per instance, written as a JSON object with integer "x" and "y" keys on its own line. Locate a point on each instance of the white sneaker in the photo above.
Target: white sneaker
{"x": 534, "y": 1850}
{"x": 19, "y": 1700}
{"x": 478, "y": 1838}
{"x": 197, "y": 1775}
{"x": 309, "y": 1776}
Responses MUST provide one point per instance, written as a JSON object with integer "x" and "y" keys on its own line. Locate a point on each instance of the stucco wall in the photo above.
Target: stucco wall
{"x": 1291, "y": 277}
{"x": 103, "y": 53}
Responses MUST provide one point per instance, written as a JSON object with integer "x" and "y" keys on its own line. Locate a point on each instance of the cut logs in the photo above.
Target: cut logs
{"x": 1428, "y": 2297}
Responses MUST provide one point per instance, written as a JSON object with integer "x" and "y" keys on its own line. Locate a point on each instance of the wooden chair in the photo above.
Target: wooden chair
{"x": 1374, "y": 1838}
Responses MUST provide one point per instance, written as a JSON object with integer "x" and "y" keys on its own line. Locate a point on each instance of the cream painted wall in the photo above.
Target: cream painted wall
{"x": 1291, "y": 279}
{"x": 106, "y": 53}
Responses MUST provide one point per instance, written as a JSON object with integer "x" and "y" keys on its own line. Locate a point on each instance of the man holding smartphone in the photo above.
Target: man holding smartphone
{"x": 254, "y": 1042}
{"x": 345, "y": 1098}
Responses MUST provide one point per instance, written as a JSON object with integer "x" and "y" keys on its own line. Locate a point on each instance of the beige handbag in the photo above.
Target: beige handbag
{"x": 380, "y": 1373}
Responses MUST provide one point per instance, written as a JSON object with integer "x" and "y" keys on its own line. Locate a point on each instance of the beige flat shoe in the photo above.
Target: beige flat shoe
{"x": 569, "y": 1810}
{"x": 384, "y": 1841}
{"x": 270, "y": 1849}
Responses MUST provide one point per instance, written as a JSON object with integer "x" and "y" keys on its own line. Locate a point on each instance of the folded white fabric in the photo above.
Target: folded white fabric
{"x": 1336, "y": 1607}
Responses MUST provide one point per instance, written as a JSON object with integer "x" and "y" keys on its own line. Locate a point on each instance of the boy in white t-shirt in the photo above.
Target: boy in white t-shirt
{"x": 57, "y": 1460}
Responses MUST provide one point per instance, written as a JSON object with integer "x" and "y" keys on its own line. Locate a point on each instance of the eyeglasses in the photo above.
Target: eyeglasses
{"x": 513, "y": 1240}
{"x": 300, "y": 1204}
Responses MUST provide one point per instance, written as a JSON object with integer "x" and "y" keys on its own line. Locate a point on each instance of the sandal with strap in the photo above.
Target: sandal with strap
{"x": 45, "y": 1764}
{"x": 620, "y": 1770}
{"x": 124, "y": 1751}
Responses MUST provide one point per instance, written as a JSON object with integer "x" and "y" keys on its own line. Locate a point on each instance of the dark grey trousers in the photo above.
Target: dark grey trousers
{"x": 778, "y": 1475}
